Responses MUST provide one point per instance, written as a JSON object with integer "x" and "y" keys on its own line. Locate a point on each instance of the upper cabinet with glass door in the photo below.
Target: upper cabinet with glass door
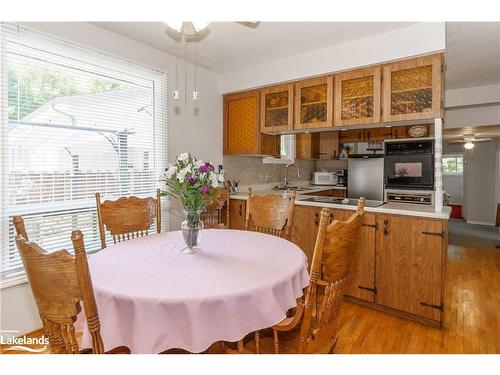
{"x": 412, "y": 89}
{"x": 276, "y": 108}
{"x": 314, "y": 103}
{"x": 357, "y": 97}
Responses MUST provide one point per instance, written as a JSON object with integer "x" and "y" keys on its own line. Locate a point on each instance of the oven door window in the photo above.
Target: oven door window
{"x": 409, "y": 171}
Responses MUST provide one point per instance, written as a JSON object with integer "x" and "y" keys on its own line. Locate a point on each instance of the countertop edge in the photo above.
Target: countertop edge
{"x": 443, "y": 215}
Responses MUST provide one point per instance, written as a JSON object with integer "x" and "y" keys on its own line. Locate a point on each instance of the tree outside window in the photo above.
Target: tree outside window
{"x": 453, "y": 164}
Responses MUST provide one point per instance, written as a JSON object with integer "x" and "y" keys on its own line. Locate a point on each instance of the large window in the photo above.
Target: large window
{"x": 74, "y": 123}
{"x": 453, "y": 164}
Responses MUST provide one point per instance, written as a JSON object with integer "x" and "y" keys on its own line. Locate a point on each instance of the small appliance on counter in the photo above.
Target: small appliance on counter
{"x": 324, "y": 178}
{"x": 341, "y": 177}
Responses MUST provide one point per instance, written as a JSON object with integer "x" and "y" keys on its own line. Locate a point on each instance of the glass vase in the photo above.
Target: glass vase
{"x": 191, "y": 231}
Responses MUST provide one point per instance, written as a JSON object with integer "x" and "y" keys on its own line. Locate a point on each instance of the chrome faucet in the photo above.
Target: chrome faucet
{"x": 285, "y": 181}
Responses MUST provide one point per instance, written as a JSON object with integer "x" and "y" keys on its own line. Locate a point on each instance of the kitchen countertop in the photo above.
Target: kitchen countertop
{"x": 243, "y": 194}
{"x": 406, "y": 209}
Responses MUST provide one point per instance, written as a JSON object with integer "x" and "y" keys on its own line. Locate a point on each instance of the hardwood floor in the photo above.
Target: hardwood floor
{"x": 471, "y": 321}
{"x": 472, "y": 314}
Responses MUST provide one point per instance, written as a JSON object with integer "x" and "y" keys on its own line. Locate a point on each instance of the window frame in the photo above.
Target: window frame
{"x": 100, "y": 62}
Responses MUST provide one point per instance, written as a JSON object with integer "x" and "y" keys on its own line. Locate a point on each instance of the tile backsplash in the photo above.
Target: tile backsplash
{"x": 251, "y": 170}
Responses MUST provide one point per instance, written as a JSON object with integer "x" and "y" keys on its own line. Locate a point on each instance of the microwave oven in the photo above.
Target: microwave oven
{"x": 324, "y": 178}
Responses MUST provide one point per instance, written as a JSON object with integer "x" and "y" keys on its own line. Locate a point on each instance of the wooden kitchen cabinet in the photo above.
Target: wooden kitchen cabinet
{"x": 357, "y": 97}
{"x": 314, "y": 103}
{"x": 352, "y": 136}
{"x": 413, "y": 89}
{"x": 410, "y": 261}
{"x": 317, "y": 146}
{"x": 276, "y": 108}
{"x": 362, "y": 275}
{"x": 242, "y": 134}
{"x": 237, "y": 211}
{"x": 307, "y": 146}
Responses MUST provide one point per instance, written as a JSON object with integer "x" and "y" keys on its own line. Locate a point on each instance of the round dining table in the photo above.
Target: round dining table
{"x": 151, "y": 297}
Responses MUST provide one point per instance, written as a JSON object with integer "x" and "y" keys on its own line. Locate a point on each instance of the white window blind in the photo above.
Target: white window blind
{"x": 73, "y": 122}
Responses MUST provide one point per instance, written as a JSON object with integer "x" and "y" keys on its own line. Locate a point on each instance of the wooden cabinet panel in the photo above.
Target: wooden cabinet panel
{"x": 357, "y": 97}
{"x": 409, "y": 265}
{"x": 362, "y": 274}
{"x": 412, "y": 89}
{"x": 317, "y": 146}
{"x": 237, "y": 214}
{"x": 276, "y": 108}
{"x": 328, "y": 145}
{"x": 351, "y": 136}
{"x": 241, "y": 127}
{"x": 307, "y": 146}
{"x": 314, "y": 103}
{"x": 305, "y": 229}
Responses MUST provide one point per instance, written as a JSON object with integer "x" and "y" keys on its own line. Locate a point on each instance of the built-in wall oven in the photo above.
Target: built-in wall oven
{"x": 409, "y": 165}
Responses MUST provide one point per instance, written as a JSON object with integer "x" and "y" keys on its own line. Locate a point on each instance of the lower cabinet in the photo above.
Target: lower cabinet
{"x": 237, "y": 209}
{"x": 399, "y": 261}
{"x": 411, "y": 254}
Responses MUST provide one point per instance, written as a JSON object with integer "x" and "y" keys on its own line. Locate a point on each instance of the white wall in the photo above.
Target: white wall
{"x": 472, "y": 106}
{"x": 453, "y": 185}
{"x": 481, "y": 181}
{"x": 195, "y": 127}
{"x": 418, "y": 39}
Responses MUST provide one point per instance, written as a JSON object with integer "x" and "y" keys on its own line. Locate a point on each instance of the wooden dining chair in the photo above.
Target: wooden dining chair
{"x": 213, "y": 216}
{"x": 59, "y": 282}
{"x": 313, "y": 326}
{"x": 270, "y": 214}
{"x": 127, "y": 217}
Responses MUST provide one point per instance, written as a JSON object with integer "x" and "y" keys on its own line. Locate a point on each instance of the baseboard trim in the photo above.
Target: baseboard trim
{"x": 401, "y": 314}
{"x": 480, "y": 223}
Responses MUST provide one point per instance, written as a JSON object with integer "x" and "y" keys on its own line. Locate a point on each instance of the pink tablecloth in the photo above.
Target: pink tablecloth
{"x": 151, "y": 297}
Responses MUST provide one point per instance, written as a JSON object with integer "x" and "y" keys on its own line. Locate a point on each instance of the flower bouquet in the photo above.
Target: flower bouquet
{"x": 191, "y": 181}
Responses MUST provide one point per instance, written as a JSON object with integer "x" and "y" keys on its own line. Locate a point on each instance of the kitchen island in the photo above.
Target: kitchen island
{"x": 400, "y": 257}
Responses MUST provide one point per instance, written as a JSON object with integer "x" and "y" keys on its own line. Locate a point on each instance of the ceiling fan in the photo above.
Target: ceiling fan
{"x": 195, "y": 31}
{"x": 468, "y": 141}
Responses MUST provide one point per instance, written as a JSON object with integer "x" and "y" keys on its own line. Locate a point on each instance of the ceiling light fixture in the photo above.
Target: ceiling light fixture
{"x": 468, "y": 144}
{"x": 187, "y": 27}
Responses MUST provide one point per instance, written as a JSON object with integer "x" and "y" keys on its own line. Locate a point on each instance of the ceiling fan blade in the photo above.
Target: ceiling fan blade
{"x": 481, "y": 139}
{"x": 250, "y": 24}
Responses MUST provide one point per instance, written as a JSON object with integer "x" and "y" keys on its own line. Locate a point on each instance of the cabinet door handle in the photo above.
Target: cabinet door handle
{"x": 316, "y": 220}
{"x": 439, "y": 307}
{"x": 386, "y": 227}
{"x": 438, "y": 234}
{"x": 373, "y": 290}
{"x": 240, "y": 209}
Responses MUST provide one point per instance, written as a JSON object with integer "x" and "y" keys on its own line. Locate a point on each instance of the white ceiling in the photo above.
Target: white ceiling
{"x": 472, "y": 54}
{"x": 230, "y": 46}
{"x": 472, "y": 48}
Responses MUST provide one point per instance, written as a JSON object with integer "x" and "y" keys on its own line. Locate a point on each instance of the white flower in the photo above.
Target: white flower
{"x": 170, "y": 171}
{"x": 181, "y": 175}
{"x": 214, "y": 180}
{"x": 184, "y": 157}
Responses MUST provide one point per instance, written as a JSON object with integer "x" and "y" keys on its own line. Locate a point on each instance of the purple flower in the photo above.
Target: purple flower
{"x": 191, "y": 180}
{"x": 205, "y": 189}
{"x": 203, "y": 169}
{"x": 209, "y": 166}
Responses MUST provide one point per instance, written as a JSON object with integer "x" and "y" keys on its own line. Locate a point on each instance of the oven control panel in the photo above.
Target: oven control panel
{"x": 425, "y": 198}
